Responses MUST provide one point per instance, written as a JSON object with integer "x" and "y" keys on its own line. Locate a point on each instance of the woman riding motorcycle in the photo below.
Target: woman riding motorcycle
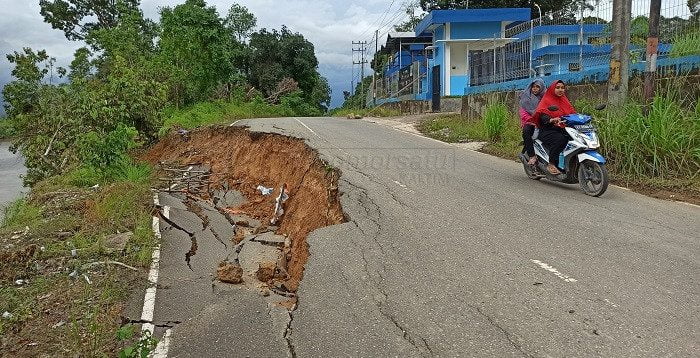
{"x": 530, "y": 98}
{"x": 552, "y": 133}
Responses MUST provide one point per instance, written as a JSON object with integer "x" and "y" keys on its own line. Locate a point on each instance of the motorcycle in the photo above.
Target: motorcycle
{"x": 579, "y": 162}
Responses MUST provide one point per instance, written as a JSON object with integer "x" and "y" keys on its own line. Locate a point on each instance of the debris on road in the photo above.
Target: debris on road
{"x": 264, "y": 190}
{"x": 229, "y": 273}
{"x": 279, "y": 202}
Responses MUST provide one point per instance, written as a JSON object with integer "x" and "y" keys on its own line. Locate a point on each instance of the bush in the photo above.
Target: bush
{"x": 6, "y": 128}
{"x": 99, "y": 151}
{"x": 496, "y": 121}
{"x": 665, "y": 144}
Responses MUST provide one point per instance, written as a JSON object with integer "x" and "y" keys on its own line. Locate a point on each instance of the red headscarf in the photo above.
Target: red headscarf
{"x": 551, "y": 99}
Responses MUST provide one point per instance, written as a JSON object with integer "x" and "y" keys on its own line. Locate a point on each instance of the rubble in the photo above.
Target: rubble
{"x": 229, "y": 273}
{"x": 266, "y": 271}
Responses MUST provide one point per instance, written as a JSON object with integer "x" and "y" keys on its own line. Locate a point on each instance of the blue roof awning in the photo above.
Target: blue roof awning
{"x": 472, "y": 15}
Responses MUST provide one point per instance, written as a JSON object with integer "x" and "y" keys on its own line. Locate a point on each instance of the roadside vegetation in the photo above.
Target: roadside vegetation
{"x": 366, "y": 112}
{"x": 78, "y": 246}
{"x": 657, "y": 154}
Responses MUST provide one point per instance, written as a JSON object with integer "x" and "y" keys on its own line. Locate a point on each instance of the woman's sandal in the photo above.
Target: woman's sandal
{"x": 553, "y": 170}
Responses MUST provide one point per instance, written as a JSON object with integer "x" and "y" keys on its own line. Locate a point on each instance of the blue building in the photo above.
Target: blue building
{"x": 460, "y": 52}
{"x": 457, "y": 33}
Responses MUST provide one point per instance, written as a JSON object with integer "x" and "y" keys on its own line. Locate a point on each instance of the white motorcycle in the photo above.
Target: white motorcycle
{"x": 579, "y": 162}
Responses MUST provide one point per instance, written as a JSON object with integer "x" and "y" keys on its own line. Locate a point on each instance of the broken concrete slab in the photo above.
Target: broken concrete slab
{"x": 245, "y": 220}
{"x": 270, "y": 238}
{"x": 228, "y": 198}
{"x": 237, "y": 325}
{"x": 174, "y": 200}
{"x": 253, "y": 253}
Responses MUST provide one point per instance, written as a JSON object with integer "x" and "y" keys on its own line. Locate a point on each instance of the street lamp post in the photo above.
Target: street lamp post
{"x": 539, "y": 11}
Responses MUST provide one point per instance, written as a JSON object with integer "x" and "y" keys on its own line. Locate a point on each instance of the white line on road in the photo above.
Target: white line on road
{"x": 149, "y": 299}
{"x": 554, "y": 271}
{"x": 399, "y": 184}
{"x": 161, "y": 350}
{"x": 307, "y": 127}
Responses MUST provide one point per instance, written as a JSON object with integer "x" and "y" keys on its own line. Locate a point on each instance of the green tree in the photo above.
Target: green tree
{"x": 240, "y": 22}
{"x": 413, "y": 19}
{"x": 77, "y": 18}
{"x": 275, "y": 55}
{"x": 197, "y": 49}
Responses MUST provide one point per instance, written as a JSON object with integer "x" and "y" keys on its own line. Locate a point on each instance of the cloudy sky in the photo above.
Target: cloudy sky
{"x": 330, "y": 25}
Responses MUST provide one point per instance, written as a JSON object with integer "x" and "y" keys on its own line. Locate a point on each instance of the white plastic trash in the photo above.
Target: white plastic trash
{"x": 265, "y": 191}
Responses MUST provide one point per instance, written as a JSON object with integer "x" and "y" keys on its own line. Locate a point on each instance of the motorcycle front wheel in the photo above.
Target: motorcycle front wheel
{"x": 593, "y": 178}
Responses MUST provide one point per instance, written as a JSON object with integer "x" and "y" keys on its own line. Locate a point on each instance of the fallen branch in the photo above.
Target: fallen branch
{"x": 97, "y": 263}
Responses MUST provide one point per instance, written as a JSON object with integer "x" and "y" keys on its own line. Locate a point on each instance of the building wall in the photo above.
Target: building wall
{"x": 439, "y": 58}
{"x": 459, "y": 70}
{"x": 474, "y": 30}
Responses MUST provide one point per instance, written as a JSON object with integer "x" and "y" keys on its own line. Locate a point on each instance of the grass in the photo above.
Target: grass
{"x": 502, "y": 135}
{"x": 665, "y": 144}
{"x": 67, "y": 315}
{"x": 20, "y": 213}
{"x": 218, "y": 112}
{"x": 495, "y": 121}
{"x": 686, "y": 44}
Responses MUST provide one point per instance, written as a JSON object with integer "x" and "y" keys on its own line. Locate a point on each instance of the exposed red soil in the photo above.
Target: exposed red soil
{"x": 243, "y": 160}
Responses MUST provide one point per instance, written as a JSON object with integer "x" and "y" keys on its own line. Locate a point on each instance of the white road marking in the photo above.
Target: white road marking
{"x": 316, "y": 134}
{"x": 554, "y": 271}
{"x": 307, "y": 127}
{"x": 149, "y": 299}
{"x": 399, "y": 184}
{"x": 161, "y": 350}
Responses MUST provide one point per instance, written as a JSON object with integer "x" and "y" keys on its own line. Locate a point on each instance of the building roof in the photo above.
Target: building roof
{"x": 397, "y": 34}
{"x": 397, "y": 39}
{"x": 562, "y": 29}
{"x": 437, "y": 17}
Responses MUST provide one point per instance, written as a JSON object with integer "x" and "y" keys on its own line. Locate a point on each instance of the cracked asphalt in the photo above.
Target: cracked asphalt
{"x": 450, "y": 252}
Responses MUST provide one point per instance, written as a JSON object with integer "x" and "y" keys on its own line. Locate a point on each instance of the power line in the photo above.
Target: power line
{"x": 380, "y": 21}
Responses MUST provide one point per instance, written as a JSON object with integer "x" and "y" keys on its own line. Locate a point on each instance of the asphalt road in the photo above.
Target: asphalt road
{"x": 11, "y": 167}
{"x": 450, "y": 252}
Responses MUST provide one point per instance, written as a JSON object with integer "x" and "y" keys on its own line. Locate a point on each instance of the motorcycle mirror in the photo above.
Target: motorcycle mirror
{"x": 553, "y": 108}
{"x": 601, "y": 107}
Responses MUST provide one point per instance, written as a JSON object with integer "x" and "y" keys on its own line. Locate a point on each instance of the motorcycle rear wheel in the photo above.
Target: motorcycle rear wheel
{"x": 593, "y": 178}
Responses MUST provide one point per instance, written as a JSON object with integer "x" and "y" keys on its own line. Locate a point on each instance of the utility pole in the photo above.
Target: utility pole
{"x": 652, "y": 52}
{"x": 374, "y": 72}
{"x": 363, "y": 60}
{"x": 620, "y": 57}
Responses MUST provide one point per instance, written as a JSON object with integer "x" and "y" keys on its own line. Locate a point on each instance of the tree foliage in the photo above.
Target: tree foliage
{"x": 413, "y": 18}
{"x": 240, "y": 22}
{"x": 132, "y": 68}
{"x": 77, "y": 18}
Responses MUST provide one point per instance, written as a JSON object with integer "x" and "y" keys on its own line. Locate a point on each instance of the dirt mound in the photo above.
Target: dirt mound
{"x": 242, "y": 160}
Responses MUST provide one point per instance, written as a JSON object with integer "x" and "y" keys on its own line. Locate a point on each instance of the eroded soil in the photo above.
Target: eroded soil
{"x": 241, "y": 160}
